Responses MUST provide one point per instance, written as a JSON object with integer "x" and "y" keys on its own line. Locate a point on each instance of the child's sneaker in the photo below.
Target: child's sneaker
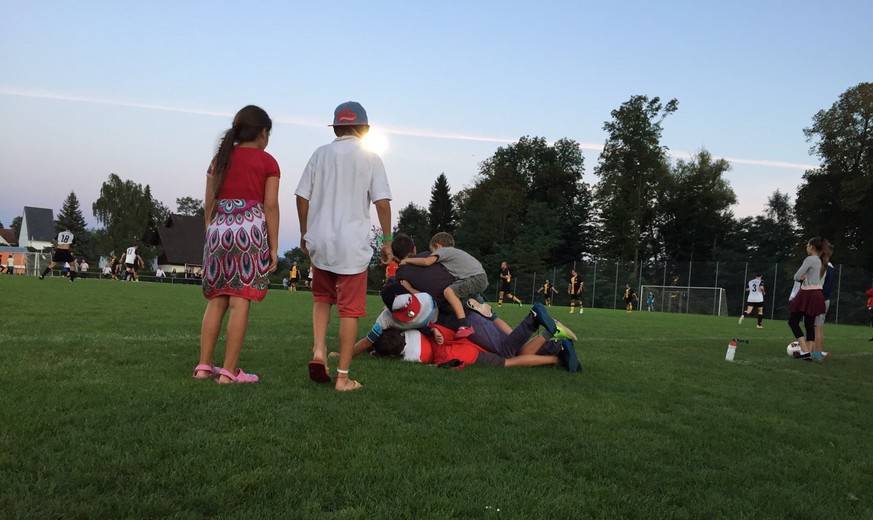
{"x": 567, "y": 357}
{"x": 741, "y": 318}
{"x": 540, "y": 315}
{"x": 464, "y": 332}
{"x": 759, "y": 326}
{"x": 562, "y": 332}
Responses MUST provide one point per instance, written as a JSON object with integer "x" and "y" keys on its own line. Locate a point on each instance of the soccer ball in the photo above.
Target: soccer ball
{"x": 793, "y": 348}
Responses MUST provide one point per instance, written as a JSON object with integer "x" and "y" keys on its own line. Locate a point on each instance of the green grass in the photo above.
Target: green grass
{"x": 99, "y": 418}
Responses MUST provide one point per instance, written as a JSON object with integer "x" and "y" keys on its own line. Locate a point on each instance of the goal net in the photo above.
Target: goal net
{"x": 691, "y": 300}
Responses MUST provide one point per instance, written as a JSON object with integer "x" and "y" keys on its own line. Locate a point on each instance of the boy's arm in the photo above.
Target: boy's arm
{"x": 424, "y": 262}
{"x": 383, "y": 212}
{"x": 302, "y": 217}
{"x": 361, "y": 346}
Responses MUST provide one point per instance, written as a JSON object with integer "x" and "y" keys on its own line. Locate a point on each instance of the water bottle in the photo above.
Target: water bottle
{"x": 731, "y": 351}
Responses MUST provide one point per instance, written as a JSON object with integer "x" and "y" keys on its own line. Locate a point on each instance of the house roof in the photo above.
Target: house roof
{"x": 40, "y": 223}
{"x": 182, "y": 238}
{"x": 8, "y": 236}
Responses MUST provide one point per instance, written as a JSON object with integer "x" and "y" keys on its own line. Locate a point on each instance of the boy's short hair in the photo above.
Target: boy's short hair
{"x": 391, "y": 343}
{"x": 356, "y": 130}
{"x": 443, "y": 239}
{"x": 402, "y": 246}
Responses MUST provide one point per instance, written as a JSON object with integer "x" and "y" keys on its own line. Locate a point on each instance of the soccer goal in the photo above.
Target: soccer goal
{"x": 690, "y": 300}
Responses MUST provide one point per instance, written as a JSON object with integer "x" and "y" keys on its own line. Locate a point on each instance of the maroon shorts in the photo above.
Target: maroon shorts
{"x": 347, "y": 291}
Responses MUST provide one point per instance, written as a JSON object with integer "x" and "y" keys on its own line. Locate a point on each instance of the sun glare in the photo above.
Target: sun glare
{"x": 375, "y": 141}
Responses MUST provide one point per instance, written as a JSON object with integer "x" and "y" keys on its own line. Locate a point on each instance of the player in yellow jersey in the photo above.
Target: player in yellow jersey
{"x": 574, "y": 289}
{"x": 630, "y": 297}
{"x": 293, "y": 277}
{"x": 505, "y": 286}
{"x": 547, "y": 289}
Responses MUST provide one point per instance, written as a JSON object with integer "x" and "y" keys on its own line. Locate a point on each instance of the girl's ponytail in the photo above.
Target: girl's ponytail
{"x": 221, "y": 162}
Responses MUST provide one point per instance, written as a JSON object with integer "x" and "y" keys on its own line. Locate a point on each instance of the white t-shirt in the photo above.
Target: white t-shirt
{"x": 84, "y": 266}
{"x": 159, "y": 273}
{"x": 756, "y": 295}
{"x": 65, "y": 238}
{"x": 341, "y": 181}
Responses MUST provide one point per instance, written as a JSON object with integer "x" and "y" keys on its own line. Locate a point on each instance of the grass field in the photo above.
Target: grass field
{"x": 99, "y": 418}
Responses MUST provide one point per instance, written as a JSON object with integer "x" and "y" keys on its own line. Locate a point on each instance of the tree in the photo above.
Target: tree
{"x": 694, "y": 208}
{"x": 773, "y": 236}
{"x": 413, "y": 220}
{"x": 528, "y": 204}
{"x": 70, "y": 217}
{"x": 16, "y": 226}
{"x": 190, "y": 206}
{"x": 632, "y": 168}
{"x": 125, "y": 210}
{"x": 834, "y": 199}
{"x": 441, "y": 211}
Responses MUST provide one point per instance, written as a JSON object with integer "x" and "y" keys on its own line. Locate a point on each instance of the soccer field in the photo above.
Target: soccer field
{"x": 101, "y": 419}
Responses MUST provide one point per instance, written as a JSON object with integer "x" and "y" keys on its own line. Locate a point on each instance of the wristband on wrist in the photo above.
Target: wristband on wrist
{"x": 388, "y": 237}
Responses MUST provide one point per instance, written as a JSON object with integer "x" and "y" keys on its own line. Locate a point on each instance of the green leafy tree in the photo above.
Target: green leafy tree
{"x": 695, "y": 214}
{"x": 632, "y": 169}
{"x": 70, "y": 217}
{"x": 835, "y": 199}
{"x": 772, "y": 237}
{"x": 190, "y": 206}
{"x": 441, "y": 211}
{"x": 413, "y": 220}
{"x": 16, "y": 226}
{"x": 125, "y": 210}
{"x": 528, "y": 205}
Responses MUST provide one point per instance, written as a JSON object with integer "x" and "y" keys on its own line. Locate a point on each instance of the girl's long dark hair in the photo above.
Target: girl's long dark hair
{"x": 248, "y": 123}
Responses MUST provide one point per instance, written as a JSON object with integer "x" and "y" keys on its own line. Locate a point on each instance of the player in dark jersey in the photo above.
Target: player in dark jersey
{"x": 505, "y": 285}
{"x": 574, "y": 289}
{"x": 630, "y": 297}
{"x": 548, "y": 289}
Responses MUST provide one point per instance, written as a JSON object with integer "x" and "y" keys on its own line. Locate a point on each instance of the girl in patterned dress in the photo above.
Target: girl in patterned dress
{"x": 241, "y": 247}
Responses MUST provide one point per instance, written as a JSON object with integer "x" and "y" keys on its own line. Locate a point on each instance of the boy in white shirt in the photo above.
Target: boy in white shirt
{"x": 334, "y": 195}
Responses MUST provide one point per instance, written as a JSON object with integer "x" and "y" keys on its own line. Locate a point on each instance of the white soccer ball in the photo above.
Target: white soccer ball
{"x": 793, "y": 348}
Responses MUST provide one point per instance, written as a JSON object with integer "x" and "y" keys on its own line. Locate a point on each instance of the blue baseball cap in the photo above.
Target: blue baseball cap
{"x": 349, "y": 113}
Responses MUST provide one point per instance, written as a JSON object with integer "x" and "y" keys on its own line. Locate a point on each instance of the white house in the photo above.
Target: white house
{"x": 37, "y": 228}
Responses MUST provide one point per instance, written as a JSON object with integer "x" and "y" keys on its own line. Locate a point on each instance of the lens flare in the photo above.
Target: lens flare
{"x": 375, "y": 141}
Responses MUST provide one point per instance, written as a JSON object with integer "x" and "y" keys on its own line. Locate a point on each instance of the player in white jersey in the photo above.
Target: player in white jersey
{"x": 132, "y": 262}
{"x": 62, "y": 255}
{"x": 755, "y": 300}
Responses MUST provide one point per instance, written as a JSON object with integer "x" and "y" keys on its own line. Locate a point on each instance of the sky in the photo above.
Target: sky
{"x": 145, "y": 89}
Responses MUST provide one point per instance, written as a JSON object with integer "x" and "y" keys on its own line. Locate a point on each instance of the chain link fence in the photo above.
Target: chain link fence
{"x": 604, "y": 284}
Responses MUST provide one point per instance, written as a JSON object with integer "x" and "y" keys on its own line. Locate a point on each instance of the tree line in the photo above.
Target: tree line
{"x": 528, "y": 204}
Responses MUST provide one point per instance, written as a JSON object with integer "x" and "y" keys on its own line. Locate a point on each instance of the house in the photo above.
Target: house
{"x": 182, "y": 238}
{"x": 37, "y": 228}
{"x": 7, "y": 237}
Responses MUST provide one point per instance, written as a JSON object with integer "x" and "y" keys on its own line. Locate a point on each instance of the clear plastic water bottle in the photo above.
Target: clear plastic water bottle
{"x": 731, "y": 351}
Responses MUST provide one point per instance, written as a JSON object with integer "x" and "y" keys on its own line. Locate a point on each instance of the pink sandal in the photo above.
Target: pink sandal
{"x": 212, "y": 369}
{"x": 239, "y": 377}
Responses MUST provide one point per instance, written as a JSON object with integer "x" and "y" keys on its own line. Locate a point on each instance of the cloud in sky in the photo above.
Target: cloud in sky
{"x": 412, "y": 132}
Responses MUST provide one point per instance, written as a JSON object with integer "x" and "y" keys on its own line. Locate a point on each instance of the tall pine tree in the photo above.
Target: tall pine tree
{"x": 441, "y": 211}
{"x": 70, "y": 218}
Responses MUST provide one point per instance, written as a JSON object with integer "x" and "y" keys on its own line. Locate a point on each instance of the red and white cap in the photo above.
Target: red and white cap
{"x": 405, "y": 307}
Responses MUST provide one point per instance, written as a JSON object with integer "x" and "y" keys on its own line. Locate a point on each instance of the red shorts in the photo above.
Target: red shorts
{"x": 347, "y": 291}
